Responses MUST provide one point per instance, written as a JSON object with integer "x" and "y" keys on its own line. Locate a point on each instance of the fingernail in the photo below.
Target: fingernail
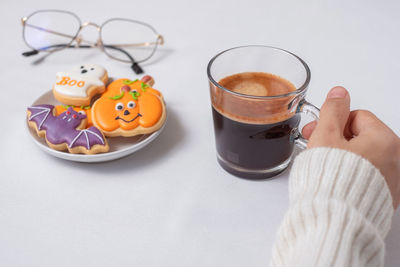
{"x": 337, "y": 92}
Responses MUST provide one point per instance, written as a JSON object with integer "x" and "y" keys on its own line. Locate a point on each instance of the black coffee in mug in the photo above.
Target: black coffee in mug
{"x": 257, "y": 94}
{"x": 251, "y": 142}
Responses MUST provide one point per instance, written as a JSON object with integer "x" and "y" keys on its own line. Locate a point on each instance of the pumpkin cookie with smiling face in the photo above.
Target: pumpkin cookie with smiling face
{"x": 129, "y": 108}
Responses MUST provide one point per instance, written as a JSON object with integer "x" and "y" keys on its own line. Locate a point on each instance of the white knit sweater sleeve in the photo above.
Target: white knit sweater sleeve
{"x": 339, "y": 213}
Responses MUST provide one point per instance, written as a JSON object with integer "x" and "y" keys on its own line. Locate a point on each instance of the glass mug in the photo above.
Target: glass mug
{"x": 255, "y": 134}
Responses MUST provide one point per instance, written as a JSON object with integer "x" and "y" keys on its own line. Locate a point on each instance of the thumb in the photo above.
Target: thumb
{"x": 334, "y": 112}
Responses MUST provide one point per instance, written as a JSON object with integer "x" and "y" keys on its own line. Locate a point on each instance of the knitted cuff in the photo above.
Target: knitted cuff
{"x": 329, "y": 173}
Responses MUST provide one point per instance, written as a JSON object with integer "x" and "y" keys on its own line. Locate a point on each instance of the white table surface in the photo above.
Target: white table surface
{"x": 170, "y": 204}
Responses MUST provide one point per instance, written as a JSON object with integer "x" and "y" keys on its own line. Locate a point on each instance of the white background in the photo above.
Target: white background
{"x": 170, "y": 204}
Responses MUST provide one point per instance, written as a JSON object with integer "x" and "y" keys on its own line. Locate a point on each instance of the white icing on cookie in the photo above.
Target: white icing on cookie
{"x": 75, "y": 82}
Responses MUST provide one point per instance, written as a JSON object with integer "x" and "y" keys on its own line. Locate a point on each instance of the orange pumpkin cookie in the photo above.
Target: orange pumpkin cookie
{"x": 81, "y": 109}
{"x": 129, "y": 108}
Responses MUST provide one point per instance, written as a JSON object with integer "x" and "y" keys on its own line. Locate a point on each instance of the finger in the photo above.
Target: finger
{"x": 334, "y": 112}
{"x": 361, "y": 121}
{"x": 308, "y": 129}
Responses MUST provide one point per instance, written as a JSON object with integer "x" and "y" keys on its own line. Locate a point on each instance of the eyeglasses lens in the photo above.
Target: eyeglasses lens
{"x": 136, "y": 38}
{"x": 50, "y": 30}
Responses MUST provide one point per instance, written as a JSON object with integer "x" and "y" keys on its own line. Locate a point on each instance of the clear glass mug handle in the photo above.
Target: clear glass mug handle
{"x": 308, "y": 109}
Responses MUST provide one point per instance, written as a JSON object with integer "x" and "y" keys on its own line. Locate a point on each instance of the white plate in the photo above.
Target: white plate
{"x": 119, "y": 146}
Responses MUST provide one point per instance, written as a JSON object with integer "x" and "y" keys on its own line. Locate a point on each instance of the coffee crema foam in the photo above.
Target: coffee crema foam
{"x": 254, "y": 111}
{"x": 257, "y": 84}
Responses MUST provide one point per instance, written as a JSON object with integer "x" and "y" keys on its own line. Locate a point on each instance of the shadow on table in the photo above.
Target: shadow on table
{"x": 146, "y": 157}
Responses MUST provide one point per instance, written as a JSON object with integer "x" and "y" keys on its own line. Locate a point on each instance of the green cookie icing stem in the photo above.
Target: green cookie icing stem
{"x": 144, "y": 86}
{"x": 116, "y": 97}
{"x": 128, "y": 82}
{"x": 134, "y": 94}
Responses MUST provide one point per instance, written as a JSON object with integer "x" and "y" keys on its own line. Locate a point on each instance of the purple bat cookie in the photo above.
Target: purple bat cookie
{"x": 62, "y": 129}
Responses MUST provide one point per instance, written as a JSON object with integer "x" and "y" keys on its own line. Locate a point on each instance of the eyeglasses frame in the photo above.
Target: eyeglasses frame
{"x": 99, "y": 43}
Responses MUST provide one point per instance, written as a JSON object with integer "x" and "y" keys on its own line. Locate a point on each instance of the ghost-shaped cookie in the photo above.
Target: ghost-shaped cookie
{"x": 80, "y": 84}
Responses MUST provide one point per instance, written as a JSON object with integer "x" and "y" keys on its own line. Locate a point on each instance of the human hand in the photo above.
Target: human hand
{"x": 360, "y": 132}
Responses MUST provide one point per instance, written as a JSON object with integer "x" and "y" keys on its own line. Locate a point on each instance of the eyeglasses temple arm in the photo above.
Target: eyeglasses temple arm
{"x": 30, "y": 53}
{"x": 35, "y": 52}
{"x": 135, "y": 66}
{"x": 159, "y": 41}
{"x": 49, "y": 31}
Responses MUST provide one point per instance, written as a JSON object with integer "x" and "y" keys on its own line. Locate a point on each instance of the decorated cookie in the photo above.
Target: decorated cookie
{"x": 79, "y": 85}
{"x": 86, "y": 109}
{"x": 129, "y": 108}
{"x": 66, "y": 131}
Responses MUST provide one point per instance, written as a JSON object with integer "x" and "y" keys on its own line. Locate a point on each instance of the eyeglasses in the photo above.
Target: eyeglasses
{"x": 122, "y": 39}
